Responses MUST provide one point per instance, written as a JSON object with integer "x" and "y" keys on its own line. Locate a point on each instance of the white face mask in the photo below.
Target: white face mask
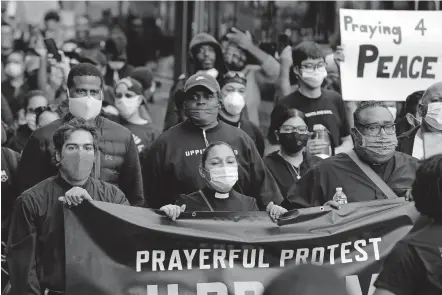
{"x": 434, "y": 115}
{"x": 14, "y": 69}
{"x": 393, "y": 111}
{"x": 223, "y": 179}
{"x": 315, "y": 78}
{"x": 116, "y": 65}
{"x": 234, "y": 103}
{"x": 85, "y": 107}
{"x": 31, "y": 121}
{"x": 127, "y": 106}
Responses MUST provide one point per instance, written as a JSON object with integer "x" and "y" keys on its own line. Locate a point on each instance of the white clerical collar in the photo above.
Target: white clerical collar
{"x": 221, "y": 196}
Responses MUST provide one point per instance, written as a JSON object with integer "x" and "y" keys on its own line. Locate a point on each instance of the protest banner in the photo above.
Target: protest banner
{"x": 389, "y": 54}
{"x": 115, "y": 249}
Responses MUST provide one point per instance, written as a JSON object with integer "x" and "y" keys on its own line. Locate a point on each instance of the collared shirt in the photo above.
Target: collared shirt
{"x": 35, "y": 251}
{"x": 319, "y": 184}
{"x": 418, "y": 148}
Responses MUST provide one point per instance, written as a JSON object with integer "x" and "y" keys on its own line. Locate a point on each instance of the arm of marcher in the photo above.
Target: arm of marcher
{"x": 346, "y": 146}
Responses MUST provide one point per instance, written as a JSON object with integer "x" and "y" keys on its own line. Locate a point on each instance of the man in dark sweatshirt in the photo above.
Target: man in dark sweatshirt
{"x": 205, "y": 56}
{"x": 117, "y": 158}
{"x": 170, "y": 167}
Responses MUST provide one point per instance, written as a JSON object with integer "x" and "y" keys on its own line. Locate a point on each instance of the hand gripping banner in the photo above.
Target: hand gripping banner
{"x": 115, "y": 249}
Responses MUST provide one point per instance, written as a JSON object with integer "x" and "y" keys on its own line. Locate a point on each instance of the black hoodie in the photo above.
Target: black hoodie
{"x": 170, "y": 166}
{"x": 173, "y": 114}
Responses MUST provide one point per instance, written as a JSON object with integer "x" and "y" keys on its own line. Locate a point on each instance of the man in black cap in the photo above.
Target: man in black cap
{"x": 170, "y": 167}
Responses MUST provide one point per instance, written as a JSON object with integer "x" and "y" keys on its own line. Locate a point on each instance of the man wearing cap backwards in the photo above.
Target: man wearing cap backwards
{"x": 117, "y": 157}
{"x": 170, "y": 167}
{"x": 205, "y": 56}
{"x": 233, "y": 87}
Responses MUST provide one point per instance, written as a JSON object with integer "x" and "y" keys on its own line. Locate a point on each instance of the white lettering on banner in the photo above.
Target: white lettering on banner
{"x": 318, "y": 113}
{"x": 389, "y": 54}
{"x": 200, "y": 152}
{"x": 255, "y": 288}
{"x": 354, "y": 286}
{"x": 347, "y": 252}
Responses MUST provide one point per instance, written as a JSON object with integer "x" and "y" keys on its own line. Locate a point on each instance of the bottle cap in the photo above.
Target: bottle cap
{"x": 339, "y": 189}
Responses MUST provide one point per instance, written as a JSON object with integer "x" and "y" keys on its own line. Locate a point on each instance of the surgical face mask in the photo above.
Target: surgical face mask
{"x": 116, "y": 65}
{"x": 85, "y": 107}
{"x": 223, "y": 179}
{"x": 202, "y": 116}
{"x": 434, "y": 115}
{"x": 31, "y": 121}
{"x": 234, "y": 103}
{"x": 14, "y": 69}
{"x": 77, "y": 166}
{"x": 314, "y": 79}
{"x": 293, "y": 142}
{"x": 375, "y": 149}
{"x": 393, "y": 111}
{"x": 127, "y": 106}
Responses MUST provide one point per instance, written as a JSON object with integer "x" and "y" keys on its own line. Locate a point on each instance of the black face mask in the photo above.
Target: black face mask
{"x": 293, "y": 142}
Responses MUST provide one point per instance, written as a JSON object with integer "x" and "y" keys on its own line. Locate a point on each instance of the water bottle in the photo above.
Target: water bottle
{"x": 340, "y": 197}
{"x": 322, "y": 133}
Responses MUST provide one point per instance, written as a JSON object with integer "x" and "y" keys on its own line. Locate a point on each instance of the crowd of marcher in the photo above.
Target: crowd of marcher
{"x": 76, "y": 126}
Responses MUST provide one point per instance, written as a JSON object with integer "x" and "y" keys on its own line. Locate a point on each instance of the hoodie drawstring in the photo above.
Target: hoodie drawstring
{"x": 205, "y": 138}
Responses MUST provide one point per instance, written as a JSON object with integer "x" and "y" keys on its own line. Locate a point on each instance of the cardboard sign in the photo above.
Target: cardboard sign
{"x": 389, "y": 54}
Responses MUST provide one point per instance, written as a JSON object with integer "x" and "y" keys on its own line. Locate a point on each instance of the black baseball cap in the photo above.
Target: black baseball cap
{"x": 202, "y": 79}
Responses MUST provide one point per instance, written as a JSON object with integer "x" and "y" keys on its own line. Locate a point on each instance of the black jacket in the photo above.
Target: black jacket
{"x": 284, "y": 173}
{"x": 170, "y": 166}
{"x": 406, "y": 141}
{"x": 118, "y": 158}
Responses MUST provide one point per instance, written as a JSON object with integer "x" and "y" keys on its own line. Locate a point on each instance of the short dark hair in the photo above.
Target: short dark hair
{"x": 210, "y": 147}
{"x": 306, "y": 50}
{"x": 84, "y": 69}
{"x": 412, "y": 102}
{"x": 69, "y": 127}
{"x": 279, "y": 115}
{"x": 52, "y": 15}
{"x": 427, "y": 187}
{"x": 366, "y": 105}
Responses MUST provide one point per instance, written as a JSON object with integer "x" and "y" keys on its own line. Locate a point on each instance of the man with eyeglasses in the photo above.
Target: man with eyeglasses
{"x": 117, "y": 158}
{"x": 375, "y": 144}
{"x": 320, "y": 106}
{"x": 429, "y": 111}
{"x": 35, "y": 248}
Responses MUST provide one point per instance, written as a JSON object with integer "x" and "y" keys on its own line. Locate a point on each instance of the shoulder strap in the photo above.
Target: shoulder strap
{"x": 205, "y": 200}
{"x": 97, "y": 165}
{"x": 388, "y": 192}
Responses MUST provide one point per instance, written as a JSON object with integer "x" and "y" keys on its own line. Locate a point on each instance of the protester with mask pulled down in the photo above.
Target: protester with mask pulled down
{"x": 117, "y": 158}
{"x": 409, "y": 117}
{"x": 128, "y": 100}
{"x": 375, "y": 150}
{"x": 219, "y": 169}
{"x": 205, "y": 56}
{"x": 34, "y": 103}
{"x": 233, "y": 87}
{"x": 238, "y": 50}
{"x": 414, "y": 266}
{"x": 170, "y": 167}
{"x": 429, "y": 112}
{"x": 36, "y": 250}
{"x": 292, "y": 161}
{"x": 320, "y": 106}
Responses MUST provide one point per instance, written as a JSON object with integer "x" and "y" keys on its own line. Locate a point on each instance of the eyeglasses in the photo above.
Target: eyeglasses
{"x": 291, "y": 129}
{"x": 375, "y": 129}
{"x": 37, "y": 110}
{"x": 232, "y": 74}
{"x": 309, "y": 68}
